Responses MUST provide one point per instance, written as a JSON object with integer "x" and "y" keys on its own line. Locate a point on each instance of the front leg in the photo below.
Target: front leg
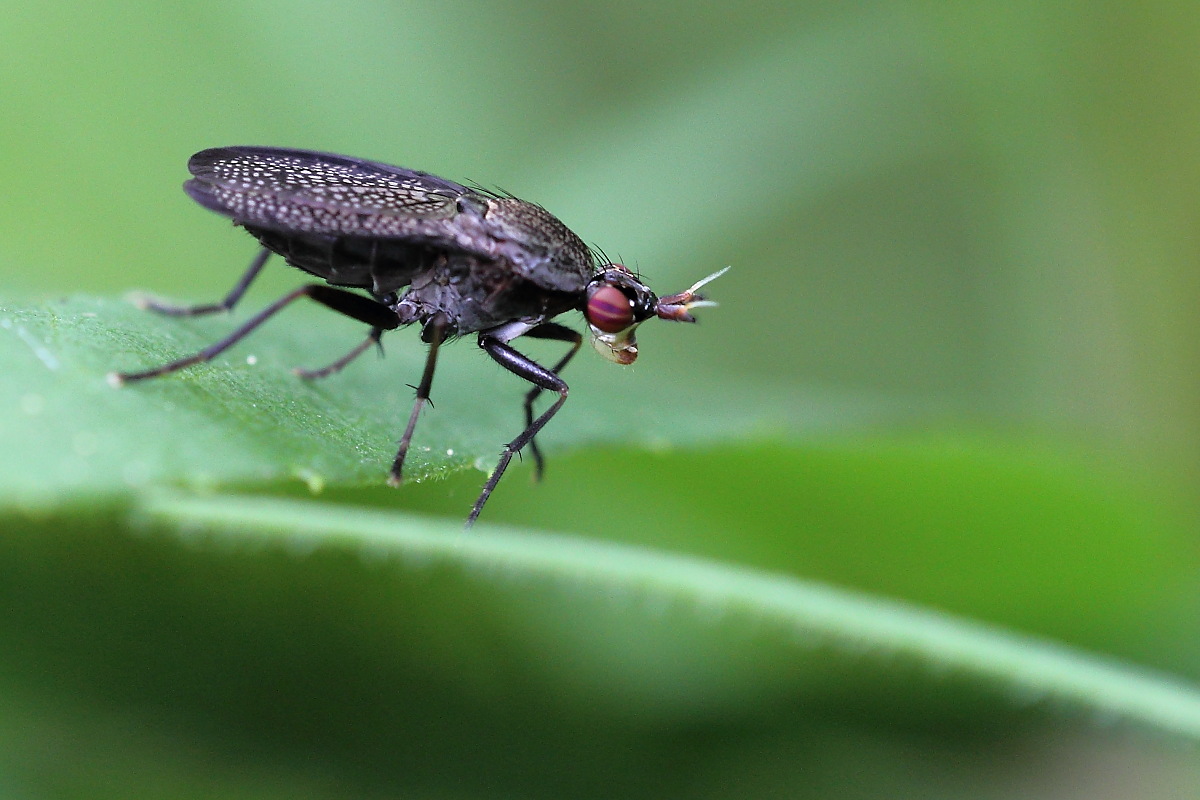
{"x": 542, "y": 378}
{"x": 559, "y": 333}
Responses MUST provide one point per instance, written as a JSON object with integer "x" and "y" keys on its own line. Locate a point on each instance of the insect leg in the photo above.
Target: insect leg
{"x": 559, "y": 333}
{"x": 524, "y": 367}
{"x": 312, "y": 374}
{"x": 229, "y": 302}
{"x": 352, "y": 305}
{"x": 435, "y": 334}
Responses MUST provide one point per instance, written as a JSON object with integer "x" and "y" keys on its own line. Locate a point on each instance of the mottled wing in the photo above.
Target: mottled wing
{"x": 302, "y": 191}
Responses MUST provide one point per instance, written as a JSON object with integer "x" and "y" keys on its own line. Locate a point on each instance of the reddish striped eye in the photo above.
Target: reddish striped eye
{"x": 609, "y": 310}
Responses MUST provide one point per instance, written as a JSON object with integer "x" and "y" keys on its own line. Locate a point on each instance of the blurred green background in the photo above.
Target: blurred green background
{"x": 979, "y": 220}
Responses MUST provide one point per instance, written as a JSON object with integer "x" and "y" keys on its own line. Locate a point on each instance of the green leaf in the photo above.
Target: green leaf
{"x": 245, "y": 419}
{"x": 268, "y": 619}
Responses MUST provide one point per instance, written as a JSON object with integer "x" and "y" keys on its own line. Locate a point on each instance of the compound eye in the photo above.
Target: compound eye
{"x": 609, "y": 310}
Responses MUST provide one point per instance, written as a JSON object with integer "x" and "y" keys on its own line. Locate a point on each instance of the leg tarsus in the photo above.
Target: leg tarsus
{"x": 230, "y": 300}
{"x": 523, "y": 367}
{"x": 313, "y": 374}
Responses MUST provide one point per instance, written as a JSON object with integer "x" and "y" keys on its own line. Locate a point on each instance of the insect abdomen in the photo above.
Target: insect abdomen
{"x": 379, "y": 265}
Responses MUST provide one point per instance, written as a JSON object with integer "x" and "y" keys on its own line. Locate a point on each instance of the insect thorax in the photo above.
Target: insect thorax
{"x": 476, "y": 294}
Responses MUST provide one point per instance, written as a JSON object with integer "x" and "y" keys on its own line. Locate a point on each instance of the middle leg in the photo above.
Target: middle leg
{"x": 435, "y": 334}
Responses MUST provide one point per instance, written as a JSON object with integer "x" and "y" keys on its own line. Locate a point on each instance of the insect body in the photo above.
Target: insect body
{"x": 427, "y": 250}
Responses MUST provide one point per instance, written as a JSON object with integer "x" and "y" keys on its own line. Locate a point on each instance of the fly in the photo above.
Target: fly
{"x": 454, "y": 259}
